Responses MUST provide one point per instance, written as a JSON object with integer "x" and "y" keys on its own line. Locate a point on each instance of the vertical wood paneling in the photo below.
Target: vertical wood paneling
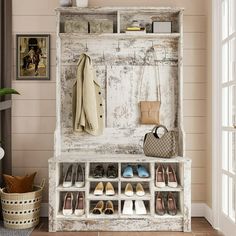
{"x": 34, "y": 111}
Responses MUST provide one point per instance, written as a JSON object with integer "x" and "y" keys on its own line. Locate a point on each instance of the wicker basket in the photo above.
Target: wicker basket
{"x": 22, "y": 210}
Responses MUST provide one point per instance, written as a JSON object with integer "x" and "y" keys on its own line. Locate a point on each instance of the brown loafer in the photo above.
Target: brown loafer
{"x": 98, "y": 209}
{"x": 109, "y": 209}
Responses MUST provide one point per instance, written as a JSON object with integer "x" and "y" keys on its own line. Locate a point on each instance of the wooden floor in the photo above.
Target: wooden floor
{"x": 200, "y": 227}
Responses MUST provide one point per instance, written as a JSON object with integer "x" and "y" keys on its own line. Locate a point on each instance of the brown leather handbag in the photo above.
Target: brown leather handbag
{"x": 149, "y": 110}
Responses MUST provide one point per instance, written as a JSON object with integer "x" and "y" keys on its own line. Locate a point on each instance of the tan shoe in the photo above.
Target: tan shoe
{"x": 139, "y": 190}
{"x": 171, "y": 177}
{"x": 98, "y": 209}
{"x": 129, "y": 190}
{"x": 99, "y": 189}
{"x": 110, "y": 189}
{"x": 109, "y": 209}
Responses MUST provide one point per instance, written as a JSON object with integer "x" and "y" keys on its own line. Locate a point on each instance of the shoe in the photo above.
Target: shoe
{"x": 110, "y": 189}
{"x": 79, "y": 206}
{"x": 68, "y": 178}
{"x": 98, "y": 209}
{"x": 128, "y": 207}
{"x": 140, "y": 208}
{"x": 142, "y": 172}
{"x": 160, "y": 205}
{"x": 111, "y": 172}
{"x": 139, "y": 190}
{"x": 171, "y": 204}
{"x": 98, "y": 171}
{"x": 109, "y": 208}
{"x": 128, "y": 172}
{"x": 98, "y": 191}
{"x": 160, "y": 177}
{"x": 129, "y": 190}
{"x": 68, "y": 205}
{"x": 171, "y": 177}
{"x": 79, "y": 177}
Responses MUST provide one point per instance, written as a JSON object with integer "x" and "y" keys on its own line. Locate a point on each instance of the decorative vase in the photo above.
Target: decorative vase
{"x": 66, "y": 3}
{"x": 2, "y": 153}
{"x": 82, "y": 3}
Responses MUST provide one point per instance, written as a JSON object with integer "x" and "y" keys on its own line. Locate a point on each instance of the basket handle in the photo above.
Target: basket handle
{"x": 42, "y": 185}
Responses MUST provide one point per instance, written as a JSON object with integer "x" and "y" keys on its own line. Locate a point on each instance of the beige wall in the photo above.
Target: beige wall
{"x": 34, "y": 111}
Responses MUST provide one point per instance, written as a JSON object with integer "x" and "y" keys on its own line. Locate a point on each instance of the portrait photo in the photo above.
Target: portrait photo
{"x": 33, "y": 57}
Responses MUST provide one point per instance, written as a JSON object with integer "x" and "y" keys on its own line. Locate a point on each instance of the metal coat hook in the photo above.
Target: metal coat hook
{"x": 118, "y": 46}
{"x": 86, "y": 47}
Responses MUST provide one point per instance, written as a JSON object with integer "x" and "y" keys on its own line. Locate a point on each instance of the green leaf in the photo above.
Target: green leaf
{"x": 5, "y": 91}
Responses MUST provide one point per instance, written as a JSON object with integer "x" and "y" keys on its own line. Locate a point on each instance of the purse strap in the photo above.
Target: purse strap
{"x": 154, "y": 130}
{"x": 157, "y": 74}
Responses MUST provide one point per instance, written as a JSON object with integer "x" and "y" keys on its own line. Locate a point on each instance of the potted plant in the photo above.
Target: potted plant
{"x": 5, "y": 105}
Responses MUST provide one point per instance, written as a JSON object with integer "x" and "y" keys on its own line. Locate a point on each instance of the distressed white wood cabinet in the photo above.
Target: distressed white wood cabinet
{"x": 127, "y": 66}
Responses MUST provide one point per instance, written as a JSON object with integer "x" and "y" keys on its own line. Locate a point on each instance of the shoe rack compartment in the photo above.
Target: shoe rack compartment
{"x": 93, "y": 203}
{"x": 178, "y": 168}
{"x": 146, "y": 187}
{"x": 62, "y": 195}
{"x": 135, "y": 172}
{"x": 92, "y": 167}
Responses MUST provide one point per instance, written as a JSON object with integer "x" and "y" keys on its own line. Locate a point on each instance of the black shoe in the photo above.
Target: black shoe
{"x": 98, "y": 171}
{"x": 111, "y": 171}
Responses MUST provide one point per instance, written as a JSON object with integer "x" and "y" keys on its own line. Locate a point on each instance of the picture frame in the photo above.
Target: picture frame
{"x": 33, "y": 57}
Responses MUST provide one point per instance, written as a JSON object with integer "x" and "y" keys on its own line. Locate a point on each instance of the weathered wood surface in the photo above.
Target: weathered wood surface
{"x": 127, "y": 77}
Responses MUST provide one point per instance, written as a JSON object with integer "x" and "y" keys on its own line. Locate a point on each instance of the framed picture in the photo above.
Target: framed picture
{"x": 33, "y": 57}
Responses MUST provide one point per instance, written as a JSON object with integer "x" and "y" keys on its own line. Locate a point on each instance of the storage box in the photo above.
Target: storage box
{"x": 101, "y": 26}
{"x": 80, "y": 26}
{"x": 161, "y": 27}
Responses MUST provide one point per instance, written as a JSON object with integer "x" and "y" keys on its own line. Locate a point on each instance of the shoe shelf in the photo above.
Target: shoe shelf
{"x": 129, "y": 221}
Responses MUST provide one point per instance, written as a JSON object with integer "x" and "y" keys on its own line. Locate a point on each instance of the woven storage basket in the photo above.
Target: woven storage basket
{"x": 22, "y": 210}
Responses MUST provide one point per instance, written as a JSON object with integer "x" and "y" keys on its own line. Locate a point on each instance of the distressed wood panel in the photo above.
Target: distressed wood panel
{"x": 34, "y": 108}
{"x": 195, "y": 91}
{"x": 194, "y": 57}
{"x": 196, "y": 142}
{"x": 195, "y": 41}
{"x": 31, "y": 159}
{"x": 33, "y": 125}
{"x": 38, "y": 24}
{"x": 32, "y": 142}
{"x": 195, "y": 24}
{"x": 195, "y": 107}
{"x": 198, "y": 158}
{"x": 36, "y": 90}
{"x": 195, "y": 124}
{"x": 193, "y": 7}
{"x": 194, "y": 74}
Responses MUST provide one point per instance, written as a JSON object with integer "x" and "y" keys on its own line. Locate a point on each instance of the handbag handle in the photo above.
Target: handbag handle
{"x": 157, "y": 127}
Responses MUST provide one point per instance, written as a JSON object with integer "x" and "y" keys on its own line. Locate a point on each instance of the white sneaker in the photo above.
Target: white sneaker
{"x": 140, "y": 208}
{"x": 128, "y": 207}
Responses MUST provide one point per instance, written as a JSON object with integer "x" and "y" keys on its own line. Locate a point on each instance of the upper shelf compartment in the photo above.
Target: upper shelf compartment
{"x": 105, "y": 20}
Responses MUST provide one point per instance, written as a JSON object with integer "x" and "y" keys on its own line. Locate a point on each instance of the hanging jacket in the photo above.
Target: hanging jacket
{"x": 88, "y": 112}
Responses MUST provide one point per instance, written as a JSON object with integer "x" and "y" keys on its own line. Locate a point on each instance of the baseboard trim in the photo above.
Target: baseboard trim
{"x": 198, "y": 210}
{"x": 202, "y": 210}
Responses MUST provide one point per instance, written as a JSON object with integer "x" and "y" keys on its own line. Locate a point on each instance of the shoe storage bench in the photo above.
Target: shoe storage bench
{"x": 117, "y": 221}
{"x": 118, "y": 58}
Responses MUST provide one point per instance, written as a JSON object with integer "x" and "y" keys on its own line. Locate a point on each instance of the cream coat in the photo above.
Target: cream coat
{"x": 88, "y": 112}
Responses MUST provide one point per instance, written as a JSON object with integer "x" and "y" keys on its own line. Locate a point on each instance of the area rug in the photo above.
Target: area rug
{"x": 14, "y": 232}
